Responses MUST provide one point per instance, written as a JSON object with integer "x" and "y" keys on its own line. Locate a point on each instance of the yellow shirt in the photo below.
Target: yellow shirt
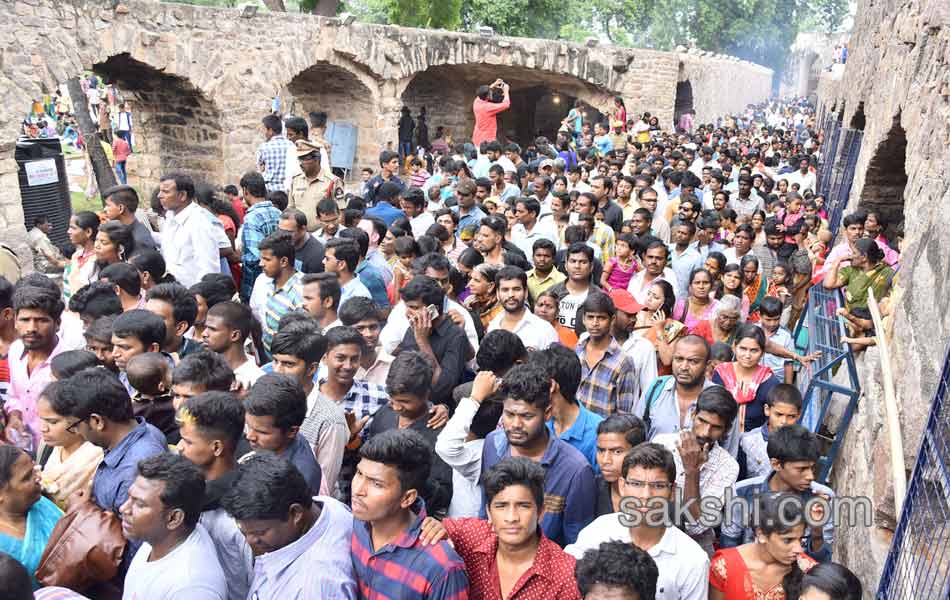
{"x": 537, "y": 284}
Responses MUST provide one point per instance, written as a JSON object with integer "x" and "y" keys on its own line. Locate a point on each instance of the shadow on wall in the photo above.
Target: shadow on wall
{"x": 175, "y": 128}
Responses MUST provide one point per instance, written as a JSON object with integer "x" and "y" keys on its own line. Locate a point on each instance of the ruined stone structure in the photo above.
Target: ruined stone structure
{"x": 200, "y": 80}
{"x": 896, "y": 88}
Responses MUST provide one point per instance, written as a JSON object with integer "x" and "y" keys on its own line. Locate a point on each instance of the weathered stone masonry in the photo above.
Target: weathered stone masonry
{"x": 201, "y": 78}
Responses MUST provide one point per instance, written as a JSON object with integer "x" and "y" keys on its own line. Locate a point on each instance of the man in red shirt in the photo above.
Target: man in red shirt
{"x": 121, "y": 150}
{"x": 486, "y": 111}
{"x": 508, "y": 555}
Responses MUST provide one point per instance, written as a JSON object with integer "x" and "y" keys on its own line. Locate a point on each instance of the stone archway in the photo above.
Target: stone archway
{"x": 683, "y": 101}
{"x": 175, "y": 127}
{"x": 886, "y": 179}
{"x": 345, "y": 99}
{"x": 539, "y": 99}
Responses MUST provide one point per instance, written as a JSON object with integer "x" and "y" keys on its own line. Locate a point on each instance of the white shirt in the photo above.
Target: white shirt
{"x": 806, "y": 182}
{"x": 643, "y": 354}
{"x": 420, "y": 223}
{"x": 505, "y": 163}
{"x": 465, "y": 458}
{"x": 190, "y": 571}
{"x": 638, "y": 289}
{"x": 535, "y": 333}
{"x": 719, "y": 472}
{"x": 682, "y": 563}
{"x": 524, "y": 239}
{"x": 190, "y": 245}
{"x": 248, "y": 373}
{"x": 259, "y": 293}
{"x": 398, "y": 324}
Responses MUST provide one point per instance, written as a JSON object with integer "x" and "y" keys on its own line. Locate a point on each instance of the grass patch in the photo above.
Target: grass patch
{"x": 81, "y": 203}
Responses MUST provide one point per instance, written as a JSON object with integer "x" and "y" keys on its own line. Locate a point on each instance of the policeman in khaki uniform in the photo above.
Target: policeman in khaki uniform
{"x": 312, "y": 185}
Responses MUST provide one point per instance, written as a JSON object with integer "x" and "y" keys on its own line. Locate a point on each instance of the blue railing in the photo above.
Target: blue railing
{"x": 824, "y": 330}
{"x": 829, "y": 155}
{"x": 918, "y": 564}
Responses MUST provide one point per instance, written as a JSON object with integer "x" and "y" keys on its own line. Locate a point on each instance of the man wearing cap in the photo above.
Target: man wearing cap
{"x": 312, "y": 184}
{"x": 637, "y": 348}
{"x": 617, "y": 137}
{"x": 467, "y": 210}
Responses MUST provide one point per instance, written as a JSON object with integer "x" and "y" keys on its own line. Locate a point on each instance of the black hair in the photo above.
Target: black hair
{"x": 346, "y": 250}
{"x": 141, "y": 324}
{"x": 204, "y": 368}
{"x": 120, "y": 235}
{"x": 510, "y": 272}
{"x": 529, "y": 383}
{"x": 344, "y": 336}
{"x": 410, "y": 373}
{"x": 93, "y": 391}
{"x": 563, "y": 366}
{"x": 618, "y": 565}
{"x": 280, "y": 397}
{"x": 6, "y": 293}
{"x": 515, "y": 470}
{"x": 387, "y": 155}
{"x": 834, "y": 580}
{"x": 184, "y": 306}
{"x": 66, "y": 364}
{"x": 15, "y": 581}
{"x": 100, "y": 330}
{"x": 29, "y": 297}
{"x": 771, "y": 307}
{"x": 543, "y": 244}
{"x": 497, "y": 224}
{"x": 432, "y": 260}
{"x": 631, "y": 426}
{"x": 94, "y": 300}
{"x": 327, "y": 206}
{"x": 404, "y": 450}
{"x": 86, "y": 219}
{"x": 750, "y": 331}
{"x": 215, "y": 288}
{"x": 265, "y": 488}
{"x": 359, "y": 236}
{"x": 722, "y": 352}
{"x": 598, "y": 302}
{"x": 426, "y": 289}
{"x": 253, "y": 182}
{"x": 147, "y": 371}
{"x": 784, "y": 393}
{"x": 855, "y": 218}
{"x": 152, "y": 262}
{"x": 235, "y": 316}
{"x": 124, "y": 275}
{"x": 216, "y": 415}
{"x": 778, "y": 512}
{"x": 298, "y": 124}
{"x": 719, "y": 401}
{"x": 184, "y": 484}
{"x": 438, "y": 232}
{"x": 281, "y": 244}
{"x": 793, "y": 443}
{"x": 296, "y": 215}
{"x": 649, "y": 455}
{"x": 329, "y": 286}
{"x": 406, "y": 245}
{"x": 499, "y": 350}
{"x": 581, "y": 248}
{"x": 414, "y": 196}
{"x": 870, "y": 249}
{"x": 669, "y": 296}
{"x": 301, "y": 340}
{"x": 471, "y": 258}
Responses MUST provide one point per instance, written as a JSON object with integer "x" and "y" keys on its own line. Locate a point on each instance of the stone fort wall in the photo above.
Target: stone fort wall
{"x": 896, "y": 87}
{"x": 200, "y": 79}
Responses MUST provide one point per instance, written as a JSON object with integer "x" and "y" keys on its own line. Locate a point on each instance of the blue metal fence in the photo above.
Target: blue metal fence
{"x": 918, "y": 565}
{"x": 829, "y": 155}
{"x": 828, "y": 405}
{"x": 843, "y": 177}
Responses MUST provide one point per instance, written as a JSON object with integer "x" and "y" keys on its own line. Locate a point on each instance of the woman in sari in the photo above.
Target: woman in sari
{"x": 26, "y": 517}
{"x": 656, "y": 324}
{"x": 698, "y": 304}
{"x": 71, "y": 464}
{"x": 721, "y": 327}
{"x": 771, "y": 567}
{"x": 755, "y": 286}
{"x": 747, "y": 380}
{"x": 83, "y": 227}
{"x": 483, "y": 302}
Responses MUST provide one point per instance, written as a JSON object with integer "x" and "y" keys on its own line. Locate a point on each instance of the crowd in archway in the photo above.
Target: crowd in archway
{"x": 490, "y": 380}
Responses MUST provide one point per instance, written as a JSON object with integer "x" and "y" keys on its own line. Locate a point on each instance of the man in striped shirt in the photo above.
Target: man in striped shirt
{"x": 286, "y": 288}
{"x": 389, "y": 559}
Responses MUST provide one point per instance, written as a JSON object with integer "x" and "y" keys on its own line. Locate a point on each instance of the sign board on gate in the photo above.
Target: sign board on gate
{"x": 41, "y": 172}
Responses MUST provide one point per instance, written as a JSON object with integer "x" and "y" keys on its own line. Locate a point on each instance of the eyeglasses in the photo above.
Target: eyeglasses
{"x": 72, "y": 428}
{"x": 656, "y": 486}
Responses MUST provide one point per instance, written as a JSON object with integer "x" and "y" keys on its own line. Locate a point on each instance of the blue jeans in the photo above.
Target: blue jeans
{"x": 121, "y": 173}
{"x": 405, "y": 149}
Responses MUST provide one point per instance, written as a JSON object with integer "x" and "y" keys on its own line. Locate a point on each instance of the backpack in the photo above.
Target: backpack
{"x": 658, "y": 384}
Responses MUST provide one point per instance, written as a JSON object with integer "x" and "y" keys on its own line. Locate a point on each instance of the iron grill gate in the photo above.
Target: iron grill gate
{"x": 842, "y": 178}
{"x": 832, "y": 133}
{"x": 918, "y": 564}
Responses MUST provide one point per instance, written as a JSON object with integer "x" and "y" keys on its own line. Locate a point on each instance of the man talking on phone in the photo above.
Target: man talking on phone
{"x": 486, "y": 108}
{"x": 435, "y": 335}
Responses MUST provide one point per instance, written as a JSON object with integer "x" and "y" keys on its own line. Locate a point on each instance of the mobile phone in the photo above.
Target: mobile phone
{"x": 433, "y": 312}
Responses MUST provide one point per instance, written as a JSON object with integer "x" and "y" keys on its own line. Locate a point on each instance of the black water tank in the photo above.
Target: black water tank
{"x": 44, "y": 186}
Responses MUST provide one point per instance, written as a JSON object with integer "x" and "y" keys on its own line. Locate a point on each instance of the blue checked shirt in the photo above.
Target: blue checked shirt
{"x": 611, "y": 385}
{"x": 280, "y": 302}
{"x": 273, "y": 155}
{"x": 260, "y": 221}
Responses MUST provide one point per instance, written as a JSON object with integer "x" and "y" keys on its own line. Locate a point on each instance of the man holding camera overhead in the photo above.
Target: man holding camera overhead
{"x": 486, "y": 108}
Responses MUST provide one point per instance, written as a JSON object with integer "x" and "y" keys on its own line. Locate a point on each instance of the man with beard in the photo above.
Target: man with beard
{"x": 574, "y": 290}
{"x": 569, "y": 480}
{"x": 656, "y": 260}
{"x": 535, "y": 333}
{"x": 704, "y": 469}
{"x": 746, "y": 202}
{"x": 490, "y": 243}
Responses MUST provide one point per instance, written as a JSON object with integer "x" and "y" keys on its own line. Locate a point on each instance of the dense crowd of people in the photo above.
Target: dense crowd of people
{"x": 487, "y": 375}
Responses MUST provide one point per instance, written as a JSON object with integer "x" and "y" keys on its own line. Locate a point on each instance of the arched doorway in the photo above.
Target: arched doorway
{"x": 683, "y": 101}
{"x": 539, "y": 100}
{"x": 886, "y": 179}
{"x": 351, "y": 112}
{"x": 175, "y": 127}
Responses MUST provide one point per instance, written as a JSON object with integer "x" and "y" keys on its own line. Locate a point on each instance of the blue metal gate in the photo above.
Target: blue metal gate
{"x": 842, "y": 178}
{"x": 918, "y": 565}
{"x": 832, "y": 133}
